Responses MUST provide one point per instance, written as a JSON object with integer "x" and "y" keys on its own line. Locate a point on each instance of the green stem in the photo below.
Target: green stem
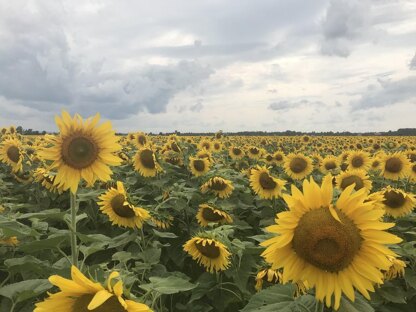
{"x": 73, "y": 229}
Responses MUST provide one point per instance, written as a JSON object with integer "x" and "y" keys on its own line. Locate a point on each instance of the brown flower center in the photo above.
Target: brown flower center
{"x": 147, "y": 160}
{"x": 414, "y": 168}
{"x": 206, "y": 145}
{"x": 347, "y": 181}
{"x": 13, "y": 153}
{"x": 278, "y": 157}
{"x": 394, "y": 199}
{"x": 298, "y": 164}
{"x": 209, "y": 250}
{"x": 175, "y": 147}
{"x": 267, "y": 181}
{"x": 269, "y": 157}
{"x": 110, "y": 305}
{"x": 254, "y": 150}
{"x": 142, "y": 140}
{"x": 210, "y": 215}
{"x": 79, "y": 151}
{"x": 393, "y": 165}
{"x": 236, "y": 151}
{"x": 324, "y": 242}
{"x": 218, "y": 185}
{"x": 330, "y": 165}
{"x": 121, "y": 208}
{"x": 357, "y": 161}
{"x": 199, "y": 165}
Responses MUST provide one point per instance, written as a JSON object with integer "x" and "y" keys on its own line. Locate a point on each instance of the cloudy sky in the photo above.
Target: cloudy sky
{"x": 204, "y": 65}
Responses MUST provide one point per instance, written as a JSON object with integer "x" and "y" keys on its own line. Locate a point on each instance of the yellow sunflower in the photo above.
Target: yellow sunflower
{"x": 216, "y": 146}
{"x": 329, "y": 164}
{"x": 145, "y": 162}
{"x": 81, "y": 294}
{"x": 161, "y": 221}
{"x": 219, "y": 186}
{"x": 412, "y": 172}
{"x": 397, "y": 203}
{"x": 254, "y": 152}
{"x": 199, "y": 166}
{"x": 120, "y": 212}
{"x": 298, "y": 166}
{"x": 46, "y": 179}
{"x": 141, "y": 139}
{"x": 11, "y": 241}
{"x": 279, "y": 157}
{"x": 396, "y": 269}
{"x": 11, "y": 153}
{"x": 267, "y": 275}
{"x": 395, "y": 166}
{"x": 209, "y": 252}
{"x": 359, "y": 177}
{"x": 205, "y": 144}
{"x": 359, "y": 160}
{"x": 334, "y": 248}
{"x": 208, "y": 214}
{"x": 82, "y": 150}
{"x": 265, "y": 185}
{"x": 236, "y": 152}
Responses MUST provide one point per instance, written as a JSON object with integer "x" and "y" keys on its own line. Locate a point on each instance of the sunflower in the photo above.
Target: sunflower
{"x": 236, "y": 152}
{"x": 334, "y": 248}
{"x": 208, "y": 214}
{"x": 254, "y": 152}
{"x": 396, "y": 269}
{"x": 216, "y": 146}
{"x": 161, "y": 221}
{"x": 145, "y": 162}
{"x": 205, "y": 154}
{"x": 173, "y": 158}
{"x": 46, "y": 179}
{"x": 81, "y": 294}
{"x": 395, "y": 166}
{"x": 11, "y": 241}
{"x": 209, "y": 252}
{"x": 412, "y": 172}
{"x": 269, "y": 159}
{"x": 199, "y": 166}
{"x": 220, "y": 186}
{"x": 265, "y": 185}
{"x": 82, "y": 150}
{"x": 11, "y": 153}
{"x": 141, "y": 139}
{"x": 298, "y": 166}
{"x": 279, "y": 157}
{"x": 205, "y": 144}
{"x": 329, "y": 164}
{"x": 359, "y": 160}
{"x": 375, "y": 163}
{"x": 396, "y": 202}
{"x": 114, "y": 204}
{"x": 359, "y": 177}
{"x": 267, "y": 275}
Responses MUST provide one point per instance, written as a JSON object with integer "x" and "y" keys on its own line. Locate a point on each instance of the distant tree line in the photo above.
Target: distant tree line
{"x": 20, "y": 130}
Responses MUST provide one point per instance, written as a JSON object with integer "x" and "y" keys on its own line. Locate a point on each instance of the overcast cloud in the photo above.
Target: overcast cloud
{"x": 208, "y": 65}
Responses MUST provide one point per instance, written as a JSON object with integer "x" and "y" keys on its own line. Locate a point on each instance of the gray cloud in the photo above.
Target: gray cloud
{"x": 412, "y": 64}
{"x": 388, "y": 92}
{"x": 286, "y": 105}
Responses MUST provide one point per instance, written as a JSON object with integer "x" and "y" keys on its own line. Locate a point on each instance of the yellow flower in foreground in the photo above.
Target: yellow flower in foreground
{"x": 81, "y": 294}
{"x": 334, "y": 248}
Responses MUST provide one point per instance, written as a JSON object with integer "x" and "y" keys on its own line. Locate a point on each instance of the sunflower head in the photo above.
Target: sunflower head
{"x": 236, "y": 152}
{"x": 219, "y": 186}
{"x": 199, "y": 166}
{"x": 396, "y": 202}
{"x": 265, "y": 185}
{"x": 395, "y": 166}
{"x": 209, "y": 214}
{"x": 267, "y": 275}
{"x": 145, "y": 162}
{"x": 11, "y": 153}
{"x": 298, "y": 166}
{"x": 357, "y": 177}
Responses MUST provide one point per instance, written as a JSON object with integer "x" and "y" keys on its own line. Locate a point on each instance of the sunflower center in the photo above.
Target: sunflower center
{"x": 375, "y": 163}
{"x": 254, "y": 151}
{"x": 110, "y": 305}
{"x": 414, "y": 168}
{"x": 216, "y": 146}
{"x": 278, "y": 157}
{"x": 297, "y": 165}
{"x": 79, "y": 151}
{"x": 394, "y": 165}
{"x": 199, "y": 165}
{"x": 218, "y": 185}
{"x": 13, "y": 153}
{"x": 146, "y": 158}
{"x": 266, "y": 181}
{"x": 394, "y": 199}
{"x": 324, "y": 242}
{"x": 350, "y": 180}
{"x": 209, "y": 250}
{"x": 269, "y": 157}
{"x": 236, "y": 151}
{"x": 330, "y": 165}
{"x": 120, "y": 208}
{"x": 210, "y": 215}
{"x": 357, "y": 162}
{"x": 206, "y": 145}
{"x": 141, "y": 139}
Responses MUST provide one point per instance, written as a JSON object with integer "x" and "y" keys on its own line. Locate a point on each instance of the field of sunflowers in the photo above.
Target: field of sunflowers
{"x": 92, "y": 221}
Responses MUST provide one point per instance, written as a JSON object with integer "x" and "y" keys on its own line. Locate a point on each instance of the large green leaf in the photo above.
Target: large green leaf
{"x": 24, "y": 290}
{"x": 168, "y": 285}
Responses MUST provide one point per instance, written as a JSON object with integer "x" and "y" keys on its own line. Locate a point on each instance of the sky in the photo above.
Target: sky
{"x": 208, "y": 65}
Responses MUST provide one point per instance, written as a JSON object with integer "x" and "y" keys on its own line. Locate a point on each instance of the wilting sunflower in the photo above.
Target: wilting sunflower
{"x": 145, "y": 162}
{"x": 81, "y": 294}
{"x": 267, "y": 275}
{"x": 162, "y": 221}
{"x": 395, "y": 166}
{"x": 334, "y": 248}
{"x": 209, "y": 252}
{"x": 82, "y": 150}
{"x": 359, "y": 160}
{"x": 220, "y": 186}
{"x": 359, "y": 177}
{"x": 199, "y": 166}
{"x": 298, "y": 166}
{"x": 265, "y": 185}
{"x": 236, "y": 152}
{"x": 141, "y": 139}
{"x": 24, "y": 177}
{"x": 396, "y": 202}
{"x": 114, "y": 204}
{"x": 11, "y": 153}
{"x": 329, "y": 164}
{"x": 46, "y": 179}
{"x": 396, "y": 269}
{"x": 208, "y": 214}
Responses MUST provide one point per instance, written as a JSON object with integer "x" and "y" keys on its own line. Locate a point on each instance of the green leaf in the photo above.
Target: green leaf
{"x": 21, "y": 291}
{"x": 410, "y": 277}
{"x": 48, "y": 243}
{"x": 164, "y": 234}
{"x": 392, "y": 294}
{"x": 169, "y": 285}
{"x": 51, "y": 214}
{"x": 359, "y": 305}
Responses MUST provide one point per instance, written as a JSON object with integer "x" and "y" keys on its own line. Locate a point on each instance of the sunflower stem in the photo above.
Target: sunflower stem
{"x": 73, "y": 229}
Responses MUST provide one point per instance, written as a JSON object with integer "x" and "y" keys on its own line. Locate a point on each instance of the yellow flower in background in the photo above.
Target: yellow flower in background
{"x": 267, "y": 275}
{"x": 396, "y": 202}
{"x": 357, "y": 176}
{"x": 208, "y": 214}
{"x": 265, "y": 185}
{"x": 395, "y": 166}
{"x": 219, "y": 186}
{"x": 199, "y": 166}
{"x": 80, "y": 294}
{"x": 145, "y": 162}
{"x": 298, "y": 166}
{"x": 359, "y": 160}
{"x": 11, "y": 153}
{"x": 82, "y": 150}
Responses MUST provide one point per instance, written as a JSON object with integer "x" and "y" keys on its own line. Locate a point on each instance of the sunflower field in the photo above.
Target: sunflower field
{"x": 92, "y": 221}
